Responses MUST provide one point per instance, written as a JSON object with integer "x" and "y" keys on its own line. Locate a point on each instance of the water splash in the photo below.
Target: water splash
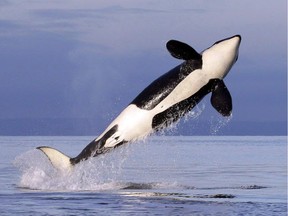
{"x": 100, "y": 173}
{"x": 96, "y": 174}
{"x": 217, "y": 122}
{"x": 196, "y": 112}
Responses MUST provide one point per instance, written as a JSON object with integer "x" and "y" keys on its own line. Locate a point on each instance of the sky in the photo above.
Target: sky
{"x": 87, "y": 60}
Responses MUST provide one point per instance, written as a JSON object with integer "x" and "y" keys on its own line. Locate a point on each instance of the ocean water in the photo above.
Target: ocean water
{"x": 162, "y": 175}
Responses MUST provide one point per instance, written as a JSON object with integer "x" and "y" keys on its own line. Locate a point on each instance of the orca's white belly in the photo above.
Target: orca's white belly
{"x": 133, "y": 123}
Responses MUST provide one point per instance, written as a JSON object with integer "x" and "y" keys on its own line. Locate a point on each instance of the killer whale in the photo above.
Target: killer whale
{"x": 166, "y": 99}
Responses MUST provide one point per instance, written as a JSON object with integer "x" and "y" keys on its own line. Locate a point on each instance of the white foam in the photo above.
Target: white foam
{"x": 96, "y": 174}
{"x": 99, "y": 173}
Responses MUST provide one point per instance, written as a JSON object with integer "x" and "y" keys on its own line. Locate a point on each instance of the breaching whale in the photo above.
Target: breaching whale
{"x": 166, "y": 99}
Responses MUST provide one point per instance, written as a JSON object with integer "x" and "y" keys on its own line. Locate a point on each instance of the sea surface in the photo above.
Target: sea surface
{"x": 162, "y": 175}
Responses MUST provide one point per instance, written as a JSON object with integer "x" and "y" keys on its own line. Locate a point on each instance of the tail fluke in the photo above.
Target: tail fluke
{"x": 59, "y": 160}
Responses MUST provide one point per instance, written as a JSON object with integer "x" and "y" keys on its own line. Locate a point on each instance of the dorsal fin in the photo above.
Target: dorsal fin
{"x": 182, "y": 50}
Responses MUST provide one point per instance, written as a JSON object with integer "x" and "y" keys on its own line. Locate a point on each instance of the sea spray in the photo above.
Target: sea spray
{"x": 35, "y": 170}
{"x": 196, "y": 112}
{"x": 99, "y": 173}
{"x": 217, "y": 122}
